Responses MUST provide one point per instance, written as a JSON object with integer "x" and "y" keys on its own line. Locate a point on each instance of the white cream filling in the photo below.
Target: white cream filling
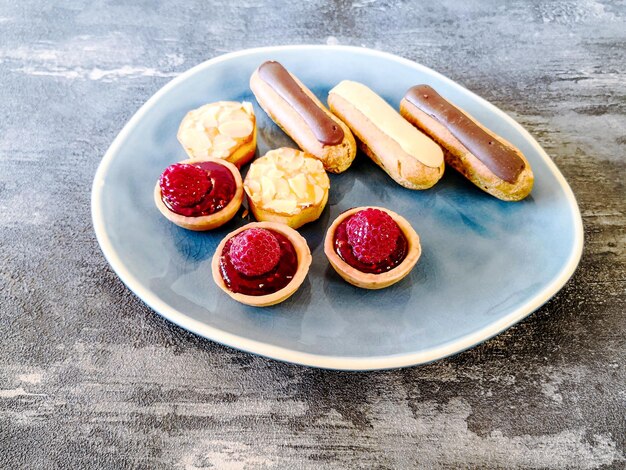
{"x": 389, "y": 121}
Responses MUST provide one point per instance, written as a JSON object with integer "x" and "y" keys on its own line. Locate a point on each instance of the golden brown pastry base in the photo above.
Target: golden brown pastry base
{"x": 304, "y": 262}
{"x": 369, "y": 280}
{"x": 244, "y": 152}
{"x": 306, "y": 215}
{"x": 461, "y": 159}
{"x": 204, "y": 222}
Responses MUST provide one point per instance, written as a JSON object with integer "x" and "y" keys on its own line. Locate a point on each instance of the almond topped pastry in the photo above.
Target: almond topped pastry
{"x": 287, "y": 186}
{"x": 372, "y": 247}
{"x": 261, "y": 264}
{"x": 199, "y": 195}
{"x": 225, "y": 129}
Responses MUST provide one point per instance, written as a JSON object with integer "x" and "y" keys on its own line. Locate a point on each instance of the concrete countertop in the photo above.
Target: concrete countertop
{"x": 92, "y": 378}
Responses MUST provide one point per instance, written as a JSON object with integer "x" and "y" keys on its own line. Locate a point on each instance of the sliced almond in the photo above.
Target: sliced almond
{"x": 188, "y": 123}
{"x": 208, "y": 114}
{"x": 238, "y": 115}
{"x": 236, "y": 129}
{"x": 254, "y": 186}
{"x": 219, "y": 153}
{"x": 299, "y": 185}
{"x": 226, "y": 110}
{"x": 321, "y": 179}
{"x": 209, "y": 122}
{"x": 319, "y": 194}
{"x": 296, "y": 162}
{"x": 223, "y": 142}
{"x": 247, "y": 106}
{"x": 284, "y": 206}
{"x": 268, "y": 189}
{"x": 282, "y": 188}
{"x": 275, "y": 173}
{"x": 195, "y": 139}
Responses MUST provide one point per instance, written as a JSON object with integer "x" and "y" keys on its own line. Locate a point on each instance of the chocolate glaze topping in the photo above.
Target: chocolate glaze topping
{"x": 498, "y": 157}
{"x": 327, "y": 131}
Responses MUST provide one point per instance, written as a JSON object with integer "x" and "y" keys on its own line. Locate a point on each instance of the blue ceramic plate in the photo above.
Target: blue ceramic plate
{"x": 486, "y": 264}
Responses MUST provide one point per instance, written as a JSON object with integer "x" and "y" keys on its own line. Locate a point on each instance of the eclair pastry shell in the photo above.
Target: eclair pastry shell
{"x": 336, "y": 158}
{"x": 304, "y": 262}
{"x": 383, "y": 150}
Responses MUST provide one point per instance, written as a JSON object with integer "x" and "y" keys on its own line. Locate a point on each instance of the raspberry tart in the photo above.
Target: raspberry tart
{"x": 199, "y": 195}
{"x": 261, "y": 264}
{"x": 225, "y": 129}
{"x": 372, "y": 247}
{"x": 287, "y": 186}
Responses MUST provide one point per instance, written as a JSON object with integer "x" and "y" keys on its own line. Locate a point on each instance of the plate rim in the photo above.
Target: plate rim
{"x": 353, "y": 363}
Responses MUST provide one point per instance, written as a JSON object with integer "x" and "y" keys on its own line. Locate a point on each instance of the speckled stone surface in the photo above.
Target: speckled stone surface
{"x": 91, "y": 378}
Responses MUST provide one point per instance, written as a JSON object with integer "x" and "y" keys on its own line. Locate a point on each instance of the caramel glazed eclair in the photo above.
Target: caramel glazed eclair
{"x": 299, "y": 113}
{"x": 411, "y": 158}
{"x": 486, "y": 159}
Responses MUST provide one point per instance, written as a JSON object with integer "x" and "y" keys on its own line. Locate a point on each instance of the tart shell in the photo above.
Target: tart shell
{"x": 369, "y": 280}
{"x": 204, "y": 222}
{"x": 304, "y": 262}
{"x": 306, "y": 215}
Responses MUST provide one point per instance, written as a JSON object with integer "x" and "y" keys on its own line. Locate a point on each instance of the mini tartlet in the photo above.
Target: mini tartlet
{"x": 372, "y": 228}
{"x": 243, "y": 255}
{"x": 225, "y": 129}
{"x": 287, "y": 186}
{"x": 224, "y": 191}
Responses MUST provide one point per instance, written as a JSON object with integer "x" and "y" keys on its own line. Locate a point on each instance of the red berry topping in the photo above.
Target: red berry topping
{"x": 184, "y": 185}
{"x": 373, "y": 235}
{"x": 254, "y": 252}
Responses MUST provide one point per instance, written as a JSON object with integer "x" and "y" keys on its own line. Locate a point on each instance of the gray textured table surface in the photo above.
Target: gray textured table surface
{"x": 91, "y": 378}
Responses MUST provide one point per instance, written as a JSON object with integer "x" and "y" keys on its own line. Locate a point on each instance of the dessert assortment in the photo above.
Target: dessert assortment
{"x": 484, "y": 158}
{"x": 288, "y": 186}
{"x": 265, "y": 262}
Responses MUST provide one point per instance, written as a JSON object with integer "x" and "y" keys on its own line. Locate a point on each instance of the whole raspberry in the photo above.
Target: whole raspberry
{"x": 184, "y": 185}
{"x": 373, "y": 235}
{"x": 254, "y": 251}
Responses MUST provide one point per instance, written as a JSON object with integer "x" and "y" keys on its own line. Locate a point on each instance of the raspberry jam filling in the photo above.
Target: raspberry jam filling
{"x": 258, "y": 262}
{"x": 370, "y": 241}
{"x": 197, "y": 189}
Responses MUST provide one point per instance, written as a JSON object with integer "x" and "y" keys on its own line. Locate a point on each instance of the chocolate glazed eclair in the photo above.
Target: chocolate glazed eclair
{"x": 486, "y": 159}
{"x": 303, "y": 117}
